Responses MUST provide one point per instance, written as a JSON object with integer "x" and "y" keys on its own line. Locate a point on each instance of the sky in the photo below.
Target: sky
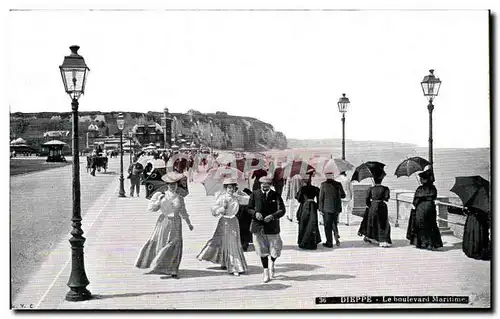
{"x": 286, "y": 68}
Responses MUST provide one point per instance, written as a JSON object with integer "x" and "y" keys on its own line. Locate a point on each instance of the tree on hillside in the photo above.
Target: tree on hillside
{"x": 18, "y": 127}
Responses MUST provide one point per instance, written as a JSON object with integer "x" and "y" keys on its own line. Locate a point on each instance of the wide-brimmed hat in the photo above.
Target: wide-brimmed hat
{"x": 172, "y": 177}
{"x": 158, "y": 163}
{"x": 266, "y": 180}
{"x": 428, "y": 174}
{"x": 229, "y": 181}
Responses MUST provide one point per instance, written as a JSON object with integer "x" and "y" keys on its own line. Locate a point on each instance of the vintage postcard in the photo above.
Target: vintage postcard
{"x": 249, "y": 159}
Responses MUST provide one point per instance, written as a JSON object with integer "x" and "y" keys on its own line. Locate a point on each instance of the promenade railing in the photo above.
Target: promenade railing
{"x": 401, "y": 202}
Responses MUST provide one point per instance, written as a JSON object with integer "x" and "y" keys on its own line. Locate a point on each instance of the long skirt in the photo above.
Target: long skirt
{"x": 476, "y": 243}
{"x": 364, "y": 221}
{"x": 224, "y": 248}
{"x": 423, "y": 231}
{"x": 309, "y": 235}
{"x": 163, "y": 251}
{"x": 378, "y": 228}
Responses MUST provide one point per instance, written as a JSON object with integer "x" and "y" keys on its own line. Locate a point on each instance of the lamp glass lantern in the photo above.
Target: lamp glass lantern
{"x": 343, "y": 104}
{"x": 120, "y": 122}
{"x": 430, "y": 85}
{"x": 74, "y": 73}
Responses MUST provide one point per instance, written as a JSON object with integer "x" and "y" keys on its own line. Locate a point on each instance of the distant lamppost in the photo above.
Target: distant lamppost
{"x": 130, "y": 135}
{"x": 165, "y": 135}
{"x": 211, "y": 137}
{"x": 74, "y": 73}
{"x": 430, "y": 86}
{"x": 121, "y": 125}
{"x": 343, "y": 104}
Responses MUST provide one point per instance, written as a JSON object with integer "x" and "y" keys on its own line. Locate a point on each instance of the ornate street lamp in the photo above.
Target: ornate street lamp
{"x": 74, "y": 73}
{"x": 121, "y": 125}
{"x": 130, "y": 136}
{"x": 343, "y": 104}
{"x": 430, "y": 87}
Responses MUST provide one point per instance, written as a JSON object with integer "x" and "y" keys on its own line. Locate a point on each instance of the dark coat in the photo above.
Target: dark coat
{"x": 273, "y": 205}
{"x": 330, "y": 195}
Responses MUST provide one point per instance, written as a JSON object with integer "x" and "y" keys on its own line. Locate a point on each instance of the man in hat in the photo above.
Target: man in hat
{"x": 266, "y": 208}
{"x": 135, "y": 170}
{"x": 330, "y": 205}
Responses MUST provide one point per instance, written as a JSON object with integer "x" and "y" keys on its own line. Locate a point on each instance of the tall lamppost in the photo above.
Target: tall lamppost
{"x": 121, "y": 125}
{"x": 130, "y": 135}
{"x": 430, "y": 86}
{"x": 74, "y": 73}
{"x": 343, "y": 104}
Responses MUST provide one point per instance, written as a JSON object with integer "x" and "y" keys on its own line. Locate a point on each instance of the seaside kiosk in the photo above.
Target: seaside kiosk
{"x": 55, "y": 148}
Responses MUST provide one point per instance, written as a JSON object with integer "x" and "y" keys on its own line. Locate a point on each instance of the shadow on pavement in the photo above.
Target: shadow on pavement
{"x": 261, "y": 287}
{"x": 314, "y": 277}
{"x": 217, "y": 271}
{"x": 452, "y": 247}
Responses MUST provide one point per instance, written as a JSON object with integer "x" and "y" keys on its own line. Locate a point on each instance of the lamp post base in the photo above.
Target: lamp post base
{"x": 78, "y": 294}
{"x": 121, "y": 193}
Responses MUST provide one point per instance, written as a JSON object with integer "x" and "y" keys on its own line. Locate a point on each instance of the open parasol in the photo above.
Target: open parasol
{"x": 337, "y": 166}
{"x": 474, "y": 191}
{"x": 411, "y": 165}
{"x": 370, "y": 169}
{"x": 213, "y": 181}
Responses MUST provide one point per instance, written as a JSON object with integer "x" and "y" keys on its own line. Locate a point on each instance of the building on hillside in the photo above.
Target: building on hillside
{"x": 148, "y": 133}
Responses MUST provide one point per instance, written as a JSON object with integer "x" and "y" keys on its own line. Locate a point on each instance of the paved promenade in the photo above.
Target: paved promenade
{"x": 116, "y": 228}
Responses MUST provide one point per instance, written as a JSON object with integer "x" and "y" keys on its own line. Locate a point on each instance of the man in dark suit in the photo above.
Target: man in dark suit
{"x": 330, "y": 205}
{"x": 266, "y": 208}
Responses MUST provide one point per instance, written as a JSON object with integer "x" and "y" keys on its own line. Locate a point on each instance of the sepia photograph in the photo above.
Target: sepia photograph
{"x": 249, "y": 159}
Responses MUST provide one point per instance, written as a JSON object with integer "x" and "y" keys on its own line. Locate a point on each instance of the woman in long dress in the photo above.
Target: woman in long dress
{"x": 294, "y": 185}
{"x": 309, "y": 236}
{"x": 163, "y": 251}
{"x": 423, "y": 231}
{"x": 378, "y": 229}
{"x": 225, "y": 248}
{"x": 476, "y": 240}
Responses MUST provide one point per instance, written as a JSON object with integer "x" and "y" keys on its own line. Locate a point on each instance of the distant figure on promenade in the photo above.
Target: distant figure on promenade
{"x": 278, "y": 179}
{"x": 257, "y": 175}
{"x": 476, "y": 239}
{"x": 423, "y": 231}
{"x": 309, "y": 236}
{"x": 224, "y": 248}
{"x": 93, "y": 162}
{"x": 330, "y": 205}
{"x": 190, "y": 168}
{"x": 347, "y": 202}
{"x": 163, "y": 251}
{"x": 377, "y": 229}
{"x": 294, "y": 185}
{"x": 266, "y": 208}
{"x": 135, "y": 171}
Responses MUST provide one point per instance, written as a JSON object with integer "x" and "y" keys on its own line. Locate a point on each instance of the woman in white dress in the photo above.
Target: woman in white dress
{"x": 163, "y": 251}
{"x": 225, "y": 248}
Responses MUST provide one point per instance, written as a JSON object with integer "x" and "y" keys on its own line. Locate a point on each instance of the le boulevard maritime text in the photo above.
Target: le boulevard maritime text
{"x": 392, "y": 299}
